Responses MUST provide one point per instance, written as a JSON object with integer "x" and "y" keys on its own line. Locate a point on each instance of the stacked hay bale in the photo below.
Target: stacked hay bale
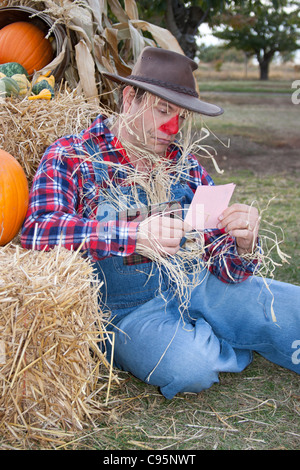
{"x": 27, "y": 128}
{"x": 54, "y": 379}
{"x": 51, "y": 331}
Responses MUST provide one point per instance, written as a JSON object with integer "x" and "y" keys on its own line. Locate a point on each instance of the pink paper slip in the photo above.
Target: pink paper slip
{"x": 207, "y": 205}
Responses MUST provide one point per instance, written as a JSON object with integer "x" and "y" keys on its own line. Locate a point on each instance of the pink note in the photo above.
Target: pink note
{"x": 208, "y": 204}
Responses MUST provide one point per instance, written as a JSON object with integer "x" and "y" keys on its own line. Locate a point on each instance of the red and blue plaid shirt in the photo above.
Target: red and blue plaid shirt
{"x": 63, "y": 205}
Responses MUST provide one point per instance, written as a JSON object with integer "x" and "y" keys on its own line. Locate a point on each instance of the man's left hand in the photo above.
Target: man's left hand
{"x": 242, "y": 222}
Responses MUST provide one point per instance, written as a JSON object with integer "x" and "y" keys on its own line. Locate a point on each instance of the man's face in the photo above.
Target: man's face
{"x": 153, "y": 122}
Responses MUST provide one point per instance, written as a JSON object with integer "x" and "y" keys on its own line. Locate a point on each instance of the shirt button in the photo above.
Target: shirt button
{"x": 121, "y": 248}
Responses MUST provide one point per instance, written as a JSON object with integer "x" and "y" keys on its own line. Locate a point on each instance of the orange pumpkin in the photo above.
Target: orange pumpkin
{"x": 14, "y": 196}
{"x": 25, "y": 44}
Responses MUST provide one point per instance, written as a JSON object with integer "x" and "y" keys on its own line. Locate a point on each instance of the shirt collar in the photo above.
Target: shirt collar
{"x": 98, "y": 128}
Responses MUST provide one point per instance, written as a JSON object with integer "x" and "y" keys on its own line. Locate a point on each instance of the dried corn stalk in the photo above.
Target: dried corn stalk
{"x": 108, "y": 46}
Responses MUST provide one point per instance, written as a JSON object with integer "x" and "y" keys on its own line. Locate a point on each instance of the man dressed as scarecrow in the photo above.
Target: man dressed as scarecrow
{"x": 185, "y": 303}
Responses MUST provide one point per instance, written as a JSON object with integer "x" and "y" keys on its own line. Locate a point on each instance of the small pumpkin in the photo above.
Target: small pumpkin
{"x": 44, "y": 94}
{"x": 11, "y": 68}
{"x": 25, "y": 43}
{"x": 42, "y": 85}
{"x": 23, "y": 83}
{"x": 48, "y": 78}
{"x": 14, "y": 197}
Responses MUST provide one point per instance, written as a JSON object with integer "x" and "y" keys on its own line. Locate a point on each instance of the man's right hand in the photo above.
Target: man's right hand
{"x": 161, "y": 234}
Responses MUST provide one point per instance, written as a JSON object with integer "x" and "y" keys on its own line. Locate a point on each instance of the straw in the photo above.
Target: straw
{"x": 51, "y": 332}
{"x": 27, "y": 128}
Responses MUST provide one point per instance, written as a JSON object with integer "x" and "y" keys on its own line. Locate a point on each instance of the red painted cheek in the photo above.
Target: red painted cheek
{"x": 171, "y": 127}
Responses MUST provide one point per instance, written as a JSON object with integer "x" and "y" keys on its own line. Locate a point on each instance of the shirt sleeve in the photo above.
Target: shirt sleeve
{"x": 224, "y": 261}
{"x": 221, "y": 255}
{"x": 52, "y": 218}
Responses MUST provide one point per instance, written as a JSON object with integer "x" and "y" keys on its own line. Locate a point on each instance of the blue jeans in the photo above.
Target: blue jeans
{"x": 225, "y": 323}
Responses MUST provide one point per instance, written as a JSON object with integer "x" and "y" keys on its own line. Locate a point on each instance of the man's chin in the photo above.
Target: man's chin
{"x": 159, "y": 147}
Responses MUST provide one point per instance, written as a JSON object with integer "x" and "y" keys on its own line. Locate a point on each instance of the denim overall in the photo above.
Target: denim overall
{"x": 226, "y": 321}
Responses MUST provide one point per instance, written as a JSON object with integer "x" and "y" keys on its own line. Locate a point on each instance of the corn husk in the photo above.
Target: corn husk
{"x": 90, "y": 31}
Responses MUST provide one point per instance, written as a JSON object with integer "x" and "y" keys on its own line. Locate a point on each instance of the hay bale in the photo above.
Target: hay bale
{"x": 27, "y": 128}
{"x": 50, "y": 331}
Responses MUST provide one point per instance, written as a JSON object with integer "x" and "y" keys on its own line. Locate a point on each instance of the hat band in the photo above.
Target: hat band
{"x": 161, "y": 83}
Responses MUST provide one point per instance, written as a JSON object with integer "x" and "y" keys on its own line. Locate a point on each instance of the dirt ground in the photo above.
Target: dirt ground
{"x": 244, "y": 154}
{"x": 263, "y": 152}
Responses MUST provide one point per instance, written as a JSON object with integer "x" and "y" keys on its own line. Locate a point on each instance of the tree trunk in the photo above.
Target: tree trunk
{"x": 170, "y": 21}
{"x": 183, "y": 22}
{"x": 264, "y": 69}
{"x": 264, "y": 63}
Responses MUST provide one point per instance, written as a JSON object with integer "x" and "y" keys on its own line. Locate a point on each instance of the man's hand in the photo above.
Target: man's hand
{"x": 242, "y": 222}
{"x": 161, "y": 234}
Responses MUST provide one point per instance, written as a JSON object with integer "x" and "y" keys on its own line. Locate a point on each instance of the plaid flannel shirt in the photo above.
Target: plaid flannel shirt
{"x": 63, "y": 205}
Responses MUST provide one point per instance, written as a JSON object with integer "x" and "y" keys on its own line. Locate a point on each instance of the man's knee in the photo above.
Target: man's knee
{"x": 187, "y": 366}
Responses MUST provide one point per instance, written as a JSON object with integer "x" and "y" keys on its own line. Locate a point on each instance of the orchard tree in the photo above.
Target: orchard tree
{"x": 261, "y": 29}
{"x": 182, "y": 18}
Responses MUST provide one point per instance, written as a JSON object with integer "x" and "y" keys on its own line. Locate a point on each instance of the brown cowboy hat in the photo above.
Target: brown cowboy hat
{"x": 169, "y": 75}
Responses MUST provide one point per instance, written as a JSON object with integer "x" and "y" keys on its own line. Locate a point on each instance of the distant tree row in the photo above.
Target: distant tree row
{"x": 213, "y": 53}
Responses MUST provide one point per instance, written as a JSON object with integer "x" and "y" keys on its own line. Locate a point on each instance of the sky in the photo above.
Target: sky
{"x": 206, "y": 36}
{"x": 208, "y": 39}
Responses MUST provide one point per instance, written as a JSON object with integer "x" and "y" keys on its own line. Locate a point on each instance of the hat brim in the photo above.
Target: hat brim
{"x": 180, "y": 99}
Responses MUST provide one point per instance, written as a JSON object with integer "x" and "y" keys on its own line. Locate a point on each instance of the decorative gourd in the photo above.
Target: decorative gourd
{"x": 43, "y": 84}
{"x": 23, "y": 83}
{"x": 48, "y": 77}
{"x": 8, "y": 87}
{"x": 2, "y": 89}
{"x": 44, "y": 94}
{"x": 11, "y": 68}
{"x": 14, "y": 197}
{"x": 25, "y": 43}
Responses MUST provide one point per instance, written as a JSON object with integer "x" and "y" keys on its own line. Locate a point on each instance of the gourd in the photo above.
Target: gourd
{"x": 14, "y": 197}
{"x": 11, "y": 68}
{"x": 48, "y": 77}
{"x": 8, "y": 87}
{"x": 23, "y": 83}
{"x": 42, "y": 85}
{"x": 25, "y": 43}
{"x": 44, "y": 94}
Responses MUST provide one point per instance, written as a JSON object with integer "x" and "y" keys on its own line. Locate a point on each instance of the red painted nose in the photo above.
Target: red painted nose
{"x": 171, "y": 127}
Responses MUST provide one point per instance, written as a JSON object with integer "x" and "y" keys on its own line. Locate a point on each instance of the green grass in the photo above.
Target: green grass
{"x": 272, "y": 121}
{"x": 255, "y": 410}
{"x": 246, "y": 86}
